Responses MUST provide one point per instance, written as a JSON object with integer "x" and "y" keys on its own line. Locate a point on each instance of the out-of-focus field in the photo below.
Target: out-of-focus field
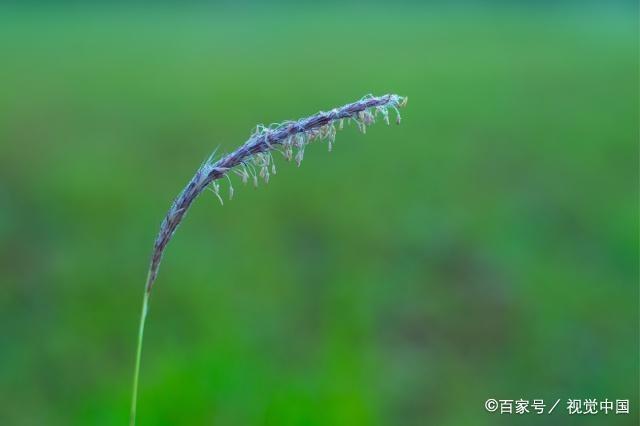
{"x": 485, "y": 248}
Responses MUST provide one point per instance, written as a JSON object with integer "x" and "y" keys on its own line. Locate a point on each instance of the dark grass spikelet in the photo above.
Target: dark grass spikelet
{"x": 253, "y": 160}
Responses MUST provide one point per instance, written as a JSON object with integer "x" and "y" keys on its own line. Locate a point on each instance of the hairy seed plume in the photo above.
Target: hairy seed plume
{"x": 254, "y": 157}
{"x": 253, "y": 162}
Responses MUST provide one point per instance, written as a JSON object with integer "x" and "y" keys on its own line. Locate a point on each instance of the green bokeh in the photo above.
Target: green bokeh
{"x": 485, "y": 248}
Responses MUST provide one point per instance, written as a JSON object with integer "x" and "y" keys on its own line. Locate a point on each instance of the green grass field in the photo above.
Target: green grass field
{"x": 486, "y": 248}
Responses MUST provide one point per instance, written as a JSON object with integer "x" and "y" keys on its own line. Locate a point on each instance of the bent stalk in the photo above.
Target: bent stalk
{"x": 254, "y": 161}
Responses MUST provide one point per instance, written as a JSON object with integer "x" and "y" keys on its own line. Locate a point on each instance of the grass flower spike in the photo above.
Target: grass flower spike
{"x": 253, "y": 162}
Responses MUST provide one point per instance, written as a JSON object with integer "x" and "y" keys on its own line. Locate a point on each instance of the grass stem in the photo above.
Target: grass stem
{"x": 136, "y": 374}
{"x": 256, "y": 154}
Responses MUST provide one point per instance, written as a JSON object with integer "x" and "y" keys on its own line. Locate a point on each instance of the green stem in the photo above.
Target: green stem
{"x": 136, "y": 374}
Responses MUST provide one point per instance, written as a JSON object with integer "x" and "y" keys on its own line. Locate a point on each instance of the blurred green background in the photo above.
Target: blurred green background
{"x": 486, "y": 248}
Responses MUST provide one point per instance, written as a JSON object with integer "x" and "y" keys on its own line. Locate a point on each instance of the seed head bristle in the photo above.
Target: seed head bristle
{"x": 254, "y": 160}
{"x": 257, "y": 153}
